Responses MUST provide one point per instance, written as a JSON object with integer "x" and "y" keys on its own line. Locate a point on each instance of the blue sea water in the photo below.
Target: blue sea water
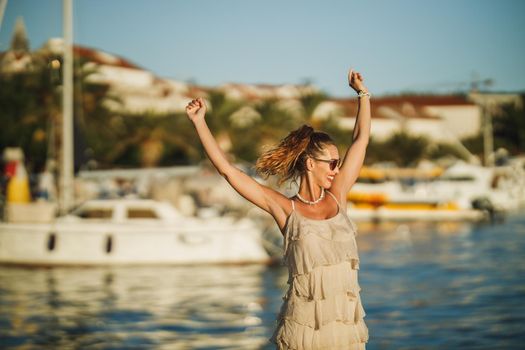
{"x": 424, "y": 286}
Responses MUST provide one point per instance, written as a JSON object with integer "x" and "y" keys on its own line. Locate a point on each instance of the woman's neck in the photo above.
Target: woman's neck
{"x": 309, "y": 190}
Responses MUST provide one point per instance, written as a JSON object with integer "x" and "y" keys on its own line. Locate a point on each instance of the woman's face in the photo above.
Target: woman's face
{"x": 323, "y": 175}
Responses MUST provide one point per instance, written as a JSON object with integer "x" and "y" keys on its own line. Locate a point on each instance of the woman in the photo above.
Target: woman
{"x": 322, "y": 308}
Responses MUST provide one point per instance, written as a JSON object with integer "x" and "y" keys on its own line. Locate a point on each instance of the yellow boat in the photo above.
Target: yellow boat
{"x": 380, "y": 195}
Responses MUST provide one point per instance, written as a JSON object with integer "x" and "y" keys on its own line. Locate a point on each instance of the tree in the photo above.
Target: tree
{"x": 29, "y": 104}
{"x": 401, "y": 148}
{"x": 509, "y": 128}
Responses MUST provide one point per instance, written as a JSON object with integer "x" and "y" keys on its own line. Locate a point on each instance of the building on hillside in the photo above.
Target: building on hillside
{"x": 440, "y": 117}
{"x": 137, "y": 90}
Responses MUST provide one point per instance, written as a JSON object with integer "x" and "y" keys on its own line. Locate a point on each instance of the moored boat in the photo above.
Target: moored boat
{"x": 131, "y": 232}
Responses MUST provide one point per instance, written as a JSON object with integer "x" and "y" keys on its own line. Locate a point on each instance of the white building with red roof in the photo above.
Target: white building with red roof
{"x": 439, "y": 117}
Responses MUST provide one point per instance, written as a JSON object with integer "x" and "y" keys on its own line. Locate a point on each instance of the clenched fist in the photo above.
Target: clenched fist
{"x": 196, "y": 109}
{"x": 355, "y": 81}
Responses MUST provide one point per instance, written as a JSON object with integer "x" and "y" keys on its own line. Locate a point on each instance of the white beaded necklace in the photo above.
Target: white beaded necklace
{"x": 312, "y": 202}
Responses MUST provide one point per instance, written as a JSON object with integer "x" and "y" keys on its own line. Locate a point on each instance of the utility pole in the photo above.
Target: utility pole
{"x": 67, "y": 176}
{"x": 488, "y": 136}
{"x": 482, "y": 100}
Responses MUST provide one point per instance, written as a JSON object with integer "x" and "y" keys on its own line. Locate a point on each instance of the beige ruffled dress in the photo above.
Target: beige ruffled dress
{"x": 322, "y": 308}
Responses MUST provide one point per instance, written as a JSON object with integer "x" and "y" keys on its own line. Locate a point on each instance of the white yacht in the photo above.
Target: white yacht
{"x": 499, "y": 188}
{"x": 129, "y": 232}
{"x": 462, "y": 192}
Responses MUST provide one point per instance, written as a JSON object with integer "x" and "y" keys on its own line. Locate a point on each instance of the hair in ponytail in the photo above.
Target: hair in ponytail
{"x": 287, "y": 160}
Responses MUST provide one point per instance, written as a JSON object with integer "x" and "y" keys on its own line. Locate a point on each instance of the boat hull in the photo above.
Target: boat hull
{"x": 115, "y": 244}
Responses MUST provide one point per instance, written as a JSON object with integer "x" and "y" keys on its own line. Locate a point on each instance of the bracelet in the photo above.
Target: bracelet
{"x": 363, "y": 93}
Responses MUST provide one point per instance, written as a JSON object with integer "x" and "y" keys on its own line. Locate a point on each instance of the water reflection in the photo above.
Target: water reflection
{"x": 444, "y": 286}
{"x": 163, "y": 307}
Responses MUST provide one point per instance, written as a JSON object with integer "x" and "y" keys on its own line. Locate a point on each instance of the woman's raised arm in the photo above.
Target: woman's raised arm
{"x": 355, "y": 155}
{"x": 262, "y": 196}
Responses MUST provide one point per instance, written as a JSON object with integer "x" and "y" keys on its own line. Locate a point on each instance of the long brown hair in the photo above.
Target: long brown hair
{"x": 287, "y": 160}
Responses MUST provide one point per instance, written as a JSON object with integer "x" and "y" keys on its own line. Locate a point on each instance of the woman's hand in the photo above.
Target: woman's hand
{"x": 355, "y": 80}
{"x": 196, "y": 109}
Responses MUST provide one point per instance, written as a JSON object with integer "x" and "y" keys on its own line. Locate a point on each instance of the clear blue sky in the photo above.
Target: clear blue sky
{"x": 398, "y": 45}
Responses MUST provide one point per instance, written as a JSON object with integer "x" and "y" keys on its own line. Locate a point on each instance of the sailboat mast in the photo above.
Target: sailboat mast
{"x": 3, "y": 4}
{"x": 66, "y": 179}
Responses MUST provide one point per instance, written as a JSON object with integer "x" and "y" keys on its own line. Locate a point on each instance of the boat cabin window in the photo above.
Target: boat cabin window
{"x": 95, "y": 213}
{"x": 139, "y": 213}
{"x": 458, "y": 178}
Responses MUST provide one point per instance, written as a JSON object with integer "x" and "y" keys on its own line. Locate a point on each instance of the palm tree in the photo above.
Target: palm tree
{"x": 149, "y": 140}
{"x": 404, "y": 149}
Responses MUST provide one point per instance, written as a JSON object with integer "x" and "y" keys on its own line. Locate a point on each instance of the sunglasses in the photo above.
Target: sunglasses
{"x": 331, "y": 162}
